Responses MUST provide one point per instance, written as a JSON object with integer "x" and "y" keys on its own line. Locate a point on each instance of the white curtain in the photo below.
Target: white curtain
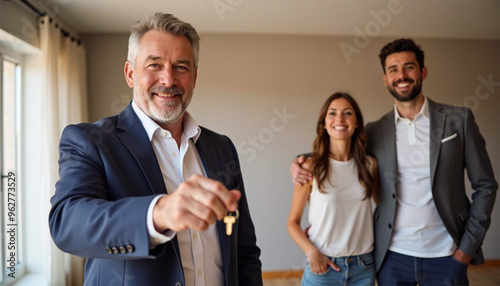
{"x": 64, "y": 101}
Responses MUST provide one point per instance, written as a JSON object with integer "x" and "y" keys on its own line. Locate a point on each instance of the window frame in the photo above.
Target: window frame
{"x": 18, "y": 60}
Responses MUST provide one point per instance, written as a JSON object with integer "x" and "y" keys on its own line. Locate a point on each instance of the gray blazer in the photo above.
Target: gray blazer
{"x": 456, "y": 144}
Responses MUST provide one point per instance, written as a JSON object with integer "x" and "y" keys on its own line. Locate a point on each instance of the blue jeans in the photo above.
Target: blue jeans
{"x": 404, "y": 270}
{"x": 354, "y": 270}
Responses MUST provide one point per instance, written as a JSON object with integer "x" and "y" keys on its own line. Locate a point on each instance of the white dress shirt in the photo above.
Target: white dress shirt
{"x": 418, "y": 228}
{"x": 199, "y": 250}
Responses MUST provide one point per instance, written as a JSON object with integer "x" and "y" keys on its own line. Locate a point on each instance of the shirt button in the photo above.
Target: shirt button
{"x": 195, "y": 236}
{"x": 164, "y": 133}
{"x": 199, "y": 272}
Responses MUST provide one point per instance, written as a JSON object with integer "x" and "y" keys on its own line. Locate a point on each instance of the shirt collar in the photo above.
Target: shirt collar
{"x": 191, "y": 128}
{"x": 424, "y": 111}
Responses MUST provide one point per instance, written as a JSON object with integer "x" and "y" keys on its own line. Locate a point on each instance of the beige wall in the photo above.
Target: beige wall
{"x": 247, "y": 83}
{"x": 21, "y": 24}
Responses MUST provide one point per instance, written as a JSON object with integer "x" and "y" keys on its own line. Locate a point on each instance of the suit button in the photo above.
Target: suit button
{"x": 393, "y": 196}
{"x": 178, "y": 284}
{"x": 390, "y": 226}
{"x": 130, "y": 248}
{"x": 115, "y": 250}
{"x": 123, "y": 249}
{"x": 108, "y": 250}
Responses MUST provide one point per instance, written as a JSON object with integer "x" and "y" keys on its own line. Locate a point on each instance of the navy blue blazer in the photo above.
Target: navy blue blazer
{"x": 108, "y": 176}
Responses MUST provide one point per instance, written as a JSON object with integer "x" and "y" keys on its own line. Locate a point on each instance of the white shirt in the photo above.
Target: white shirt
{"x": 341, "y": 221}
{"x": 418, "y": 228}
{"x": 199, "y": 250}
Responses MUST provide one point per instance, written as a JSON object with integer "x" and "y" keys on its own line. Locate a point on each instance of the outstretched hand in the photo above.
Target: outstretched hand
{"x": 197, "y": 203}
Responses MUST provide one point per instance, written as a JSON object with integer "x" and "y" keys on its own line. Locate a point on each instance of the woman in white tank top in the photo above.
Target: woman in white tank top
{"x": 339, "y": 243}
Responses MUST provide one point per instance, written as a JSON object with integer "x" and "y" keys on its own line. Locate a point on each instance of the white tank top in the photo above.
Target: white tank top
{"x": 341, "y": 221}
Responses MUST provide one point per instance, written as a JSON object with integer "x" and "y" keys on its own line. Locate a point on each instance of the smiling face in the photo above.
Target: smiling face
{"x": 163, "y": 77}
{"x": 340, "y": 120}
{"x": 403, "y": 76}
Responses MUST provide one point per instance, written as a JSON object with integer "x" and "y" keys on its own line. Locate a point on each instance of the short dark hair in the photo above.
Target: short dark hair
{"x": 401, "y": 45}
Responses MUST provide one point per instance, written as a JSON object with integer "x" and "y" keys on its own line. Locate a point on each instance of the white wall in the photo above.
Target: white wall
{"x": 245, "y": 81}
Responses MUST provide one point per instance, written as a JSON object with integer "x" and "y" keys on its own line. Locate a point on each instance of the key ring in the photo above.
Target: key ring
{"x": 237, "y": 215}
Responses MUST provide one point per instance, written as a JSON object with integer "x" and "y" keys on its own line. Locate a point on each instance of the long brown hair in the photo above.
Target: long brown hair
{"x": 321, "y": 148}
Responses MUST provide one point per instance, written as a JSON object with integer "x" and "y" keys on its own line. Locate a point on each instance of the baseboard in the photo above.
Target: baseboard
{"x": 490, "y": 263}
{"x": 284, "y": 274}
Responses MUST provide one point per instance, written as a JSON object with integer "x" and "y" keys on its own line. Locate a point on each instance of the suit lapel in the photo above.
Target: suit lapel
{"x": 137, "y": 142}
{"x": 389, "y": 135}
{"x": 437, "y": 120}
{"x": 208, "y": 155}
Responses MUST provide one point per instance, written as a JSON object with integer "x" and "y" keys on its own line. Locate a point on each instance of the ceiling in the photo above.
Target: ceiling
{"x": 455, "y": 19}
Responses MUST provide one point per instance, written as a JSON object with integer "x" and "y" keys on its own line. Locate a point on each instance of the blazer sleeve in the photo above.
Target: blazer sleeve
{"x": 480, "y": 174}
{"x": 83, "y": 220}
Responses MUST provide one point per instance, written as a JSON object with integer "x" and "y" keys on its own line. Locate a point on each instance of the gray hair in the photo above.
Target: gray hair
{"x": 164, "y": 23}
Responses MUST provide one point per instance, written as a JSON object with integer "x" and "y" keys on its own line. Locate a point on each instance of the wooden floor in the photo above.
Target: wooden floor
{"x": 484, "y": 275}
{"x": 487, "y": 274}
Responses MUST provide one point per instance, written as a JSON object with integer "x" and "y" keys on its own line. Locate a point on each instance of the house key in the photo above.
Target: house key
{"x": 229, "y": 220}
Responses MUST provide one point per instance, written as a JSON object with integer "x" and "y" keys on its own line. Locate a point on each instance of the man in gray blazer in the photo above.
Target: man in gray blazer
{"x": 426, "y": 229}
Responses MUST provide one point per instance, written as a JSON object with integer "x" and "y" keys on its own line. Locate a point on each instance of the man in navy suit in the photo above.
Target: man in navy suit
{"x": 141, "y": 195}
{"x": 426, "y": 229}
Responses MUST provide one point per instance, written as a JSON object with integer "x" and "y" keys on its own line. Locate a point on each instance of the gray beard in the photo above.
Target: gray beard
{"x": 176, "y": 111}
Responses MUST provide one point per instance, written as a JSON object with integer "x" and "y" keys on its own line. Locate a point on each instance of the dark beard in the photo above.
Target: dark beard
{"x": 417, "y": 88}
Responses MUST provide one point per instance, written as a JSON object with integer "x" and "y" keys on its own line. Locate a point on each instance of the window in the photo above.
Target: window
{"x": 10, "y": 199}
